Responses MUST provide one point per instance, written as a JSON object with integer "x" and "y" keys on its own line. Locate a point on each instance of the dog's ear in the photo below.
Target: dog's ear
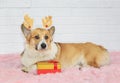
{"x": 25, "y": 31}
{"x": 52, "y": 30}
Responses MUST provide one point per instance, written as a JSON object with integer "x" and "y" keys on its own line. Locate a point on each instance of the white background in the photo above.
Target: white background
{"x": 95, "y": 21}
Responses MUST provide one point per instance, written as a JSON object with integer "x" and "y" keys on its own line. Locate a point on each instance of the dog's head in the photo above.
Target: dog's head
{"x": 39, "y": 38}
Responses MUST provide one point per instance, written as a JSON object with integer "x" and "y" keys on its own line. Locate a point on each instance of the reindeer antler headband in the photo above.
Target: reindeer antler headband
{"x": 47, "y": 21}
{"x": 28, "y": 22}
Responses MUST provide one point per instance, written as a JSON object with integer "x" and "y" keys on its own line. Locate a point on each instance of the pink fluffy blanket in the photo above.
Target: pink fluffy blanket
{"x": 10, "y": 72}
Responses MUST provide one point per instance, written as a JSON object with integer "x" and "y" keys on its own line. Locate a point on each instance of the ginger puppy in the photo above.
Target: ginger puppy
{"x": 40, "y": 46}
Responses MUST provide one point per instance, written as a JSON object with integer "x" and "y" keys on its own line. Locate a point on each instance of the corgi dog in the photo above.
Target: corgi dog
{"x": 40, "y": 46}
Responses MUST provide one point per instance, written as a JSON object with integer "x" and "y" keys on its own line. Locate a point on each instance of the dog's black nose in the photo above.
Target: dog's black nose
{"x": 43, "y": 45}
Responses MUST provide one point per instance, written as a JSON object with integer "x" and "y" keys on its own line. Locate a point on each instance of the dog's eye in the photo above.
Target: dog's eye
{"x": 46, "y": 37}
{"x": 37, "y": 37}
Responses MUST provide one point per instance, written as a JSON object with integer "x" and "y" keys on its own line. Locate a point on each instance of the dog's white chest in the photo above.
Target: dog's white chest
{"x": 31, "y": 56}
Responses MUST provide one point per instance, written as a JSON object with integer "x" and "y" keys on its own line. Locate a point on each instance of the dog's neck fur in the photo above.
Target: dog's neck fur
{"x": 31, "y": 56}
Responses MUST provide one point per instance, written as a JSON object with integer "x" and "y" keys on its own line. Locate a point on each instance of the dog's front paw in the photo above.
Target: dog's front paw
{"x": 25, "y": 69}
{"x": 29, "y": 69}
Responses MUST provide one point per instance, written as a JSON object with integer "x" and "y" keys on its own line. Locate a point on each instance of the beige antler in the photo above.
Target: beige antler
{"x": 28, "y": 22}
{"x": 47, "y": 21}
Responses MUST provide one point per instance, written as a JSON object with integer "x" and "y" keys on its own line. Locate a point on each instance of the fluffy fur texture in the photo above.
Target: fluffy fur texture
{"x": 82, "y": 54}
{"x": 40, "y": 47}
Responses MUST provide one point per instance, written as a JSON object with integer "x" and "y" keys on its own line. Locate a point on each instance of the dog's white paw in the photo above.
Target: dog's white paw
{"x": 25, "y": 69}
{"x": 28, "y": 69}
